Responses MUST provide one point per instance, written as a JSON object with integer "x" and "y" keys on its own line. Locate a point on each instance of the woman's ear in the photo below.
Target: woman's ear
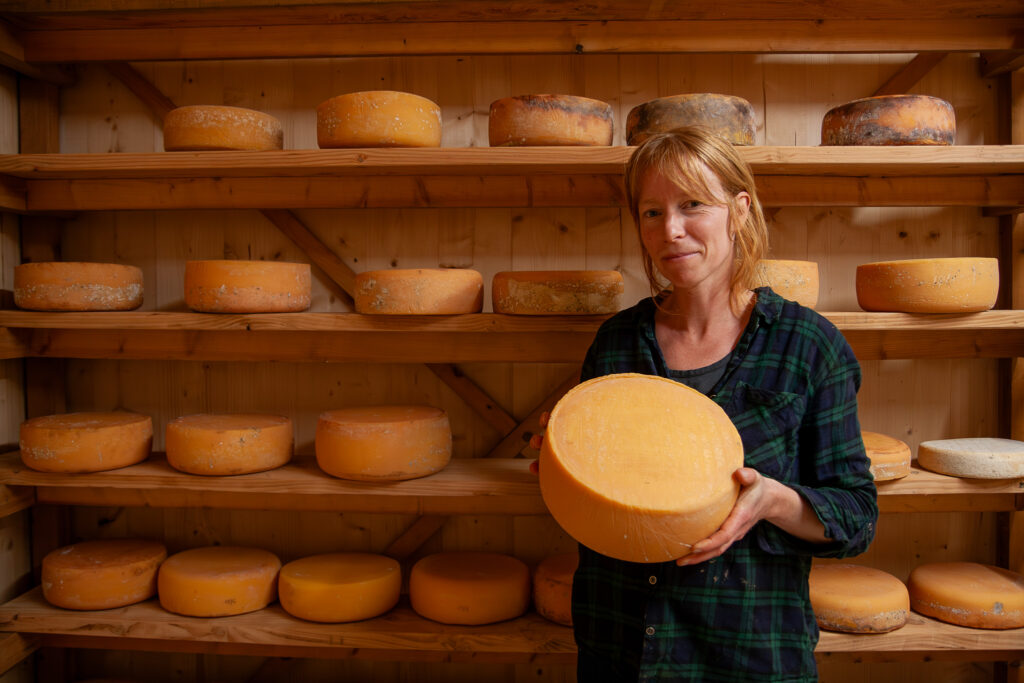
{"x": 742, "y": 204}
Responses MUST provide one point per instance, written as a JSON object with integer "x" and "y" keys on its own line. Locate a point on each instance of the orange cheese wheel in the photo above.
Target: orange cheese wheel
{"x": 890, "y": 120}
{"x": 228, "y": 444}
{"x": 552, "y": 587}
{"x": 793, "y": 280}
{"x": 557, "y": 292}
{"x": 978, "y": 458}
{"x": 639, "y": 468}
{"x": 940, "y": 285}
{"x": 469, "y": 588}
{"x": 102, "y": 574}
{"x": 378, "y": 118}
{"x": 725, "y": 115}
{"x": 340, "y": 586}
{"x": 85, "y": 442}
{"x": 419, "y": 291}
{"x": 890, "y": 458}
{"x": 968, "y": 594}
{"x": 855, "y": 599}
{"x": 212, "y": 127}
{"x": 218, "y": 581}
{"x": 219, "y": 286}
{"x": 549, "y": 120}
{"x": 75, "y": 286}
{"x": 389, "y": 443}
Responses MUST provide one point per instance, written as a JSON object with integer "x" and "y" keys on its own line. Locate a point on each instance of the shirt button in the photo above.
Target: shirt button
{"x": 649, "y": 630}
{"x": 653, "y": 580}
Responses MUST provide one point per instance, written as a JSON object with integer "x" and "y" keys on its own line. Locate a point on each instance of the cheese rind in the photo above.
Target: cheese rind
{"x": 77, "y": 286}
{"x": 549, "y": 120}
{"x": 977, "y": 458}
{"x": 205, "y": 127}
{"x": 378, "y": 118}
{"x": 552, "y": 587}
{"x": 890, "y": 120}
{"x": 890, "y": 458}
{"x": 793, "y": 280}
{"x": 228, "y": 444}
{"x": 469, "y": 588}
{"x": 555, "y": 292}
{"x": 340, "y": 587}
{"x": 85, "y": 442}
{"x": 218, "y": 581}
{"x": 968, "y": 594}
{"x": 855, "y": 599}
{"x": 222, "y": 286}
{"x": 941, "y": 285}
{"x": 728, "y": 116}
{"x": 101, "y": 574}
{"x": 419, "y": 291}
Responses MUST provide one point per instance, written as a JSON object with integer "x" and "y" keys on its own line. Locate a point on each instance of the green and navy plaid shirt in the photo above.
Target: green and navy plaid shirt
{"x": 790, "y": 387}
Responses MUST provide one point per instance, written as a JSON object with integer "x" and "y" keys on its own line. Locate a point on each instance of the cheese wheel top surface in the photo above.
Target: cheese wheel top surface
{"x": 77, "y": 286}
{"x": 381, "y": 415}
{"x": 941, "y": 285}
{"x": 549, "y": 120}
{"x": 86, "y": 420}
{"x": 101, "y": 574}
{"x": 728, "y": 116}
{"x": 228, "y": 421}
{"x": 857, "y": 599}
{"x": 221, "y": 562}
{"x": 341, "y": 568}
{"x": 339, "y": 587}
{"x": 85, "y": 442}
{"x": 216, "y": 127}
{"x": 890, "y": 120}
{"x": 378, "y": 118}
{"x": 118, "y": 551}
{"x": 968, "y": 594}
{"x": 229, "y": 444}
{"x": 979, "y": 458}
{"x": 468, "y": 567}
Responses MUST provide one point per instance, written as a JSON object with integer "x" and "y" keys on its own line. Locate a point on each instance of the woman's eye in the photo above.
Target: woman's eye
{"x": 692, "y": 204}
{"x": 650, "y": 213}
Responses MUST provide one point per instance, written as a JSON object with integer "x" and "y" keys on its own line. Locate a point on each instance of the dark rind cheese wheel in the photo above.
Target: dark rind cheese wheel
{"x": 549, "y": 120}
{"x": 890, "y": 120}
{"x": 725, "y": 115}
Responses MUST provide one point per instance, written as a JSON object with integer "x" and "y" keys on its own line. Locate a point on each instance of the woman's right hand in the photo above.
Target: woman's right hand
{"x": 537, "y": 440}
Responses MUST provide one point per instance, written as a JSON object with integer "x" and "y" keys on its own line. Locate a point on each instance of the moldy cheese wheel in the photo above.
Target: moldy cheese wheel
{"x": 340, "y": 586}
{"x": 727, "y": 116}
{"x": 383, "y": 443}
{"x": 549, "y": 120}
{"x": 968, "y": 594}
{"x": 552, "y": 587}
{"x": 940, "y": 285}
{"x": 890, "y": 120}
{"x": 556, "y": 292}
{"x": 855, "y": 599}
{"x": 793, "y": 280}
{"x": 978, "y": 458}
{"x": 639, "y": 467}
{"x": 220, "y": 286}
{"x": 76, "y": 286}
{"x": 378, "y": 118}
{"x": 218, "y": 581}
{"x": 85, "y": 442}
{"x": 890, "y": 458}
{"x": 469, "y": 588}
{"x": 102, "y": 574}
{"x": 213, "y": 127}
{"x": 419, "y": 291}
{"x": 228, "y": 444}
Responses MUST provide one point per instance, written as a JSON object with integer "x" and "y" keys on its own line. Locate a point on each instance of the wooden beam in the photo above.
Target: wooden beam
{"x": 158, "y": 103}
{"x": 910, "y": 74}
{"x": 12, "y": 56}
{"x": 403, "y": 547}
{"x": 485, "y": 406}
{"x": 15, "y": 499}
{"x": 519, "y": 438}
{"x": 339, "y": 277}
{"x": 14, "y": 648}
{"x": 997, "y": 63}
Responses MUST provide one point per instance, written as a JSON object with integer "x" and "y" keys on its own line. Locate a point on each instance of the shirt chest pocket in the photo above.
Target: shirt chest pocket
{"x": 768, "y": 423}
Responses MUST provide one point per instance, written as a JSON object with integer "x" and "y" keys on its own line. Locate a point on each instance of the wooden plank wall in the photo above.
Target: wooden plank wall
{"x": 913, "y": 400}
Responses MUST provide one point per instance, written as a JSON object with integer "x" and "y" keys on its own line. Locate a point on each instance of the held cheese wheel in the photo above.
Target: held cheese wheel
{"x": 890, "y": 458}
{"x": 212, "y": 127}
{"x": 793, "y": 280}
{"x": 941, "y": 285}
{"x": 340, "y": 587}
{"x": 552, "y": 587}
{"x": 968, "y": 594}
{"x": 549, "y": 120}
{"x": 383, "y": 443}
{"x": 855, "y": 599}
{"x": 221, "y": 286}
{"x": 638, "y": 467}
{"x": 76, "y": 286}
{"x": 469, "y": 588}
{"x": 102, "y": 574}
{"x": 228, "y": 444}
{"x": 890, "y": 120}
{"x": 978, "y": 458}
{"x": 419, "y": 291}
{"x": 727, "y": 116}
{"x": 378, "y": 118}
{"x": 557, "y": 292}
{"x": 218, "y": 581}
{"x": 85, "y": 442}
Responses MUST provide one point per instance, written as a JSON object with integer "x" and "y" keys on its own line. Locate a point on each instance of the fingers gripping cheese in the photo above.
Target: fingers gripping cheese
{"x": 340, "y": 587}
{"x": 639, "y": 468}
{"x": 102, "y": 574}
{"x": 76, "y": 286}
{"x": 218, "y": 581}
{"x": 855, "y": 599}
{"x": 85, "y": 442}
{"x": 228, "y": 444}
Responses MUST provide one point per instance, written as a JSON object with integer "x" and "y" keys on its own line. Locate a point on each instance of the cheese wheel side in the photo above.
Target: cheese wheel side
{"x": 77, "y": 286}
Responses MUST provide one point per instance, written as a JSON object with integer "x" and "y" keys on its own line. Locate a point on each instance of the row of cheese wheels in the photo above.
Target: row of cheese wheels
{"x": 969, "y": 458}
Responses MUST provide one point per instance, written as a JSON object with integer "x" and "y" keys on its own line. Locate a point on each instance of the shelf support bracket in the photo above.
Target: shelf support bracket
{"x": 911, "y": 73}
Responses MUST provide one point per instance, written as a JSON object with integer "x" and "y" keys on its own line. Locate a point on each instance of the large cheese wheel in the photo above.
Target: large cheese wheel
{"x": 890, "y": 458}
{"x": 979, "y": 458}
{"x": 213, "y": 127}
{"x": 378, "y": 118}
{"x": 218, "y": 581}
{"x": 557, "y": 292}
{"x": 941, "y": 285}
{"x": 856, "y": 599}
{"x": 102, "y": 574}
{"x": 890, "y": 120}
{"x": 340, "y": 586}
{"x": 638, "y": 467}
{"x": 388, "y": 443}
{"x": 75, "y": 286}
{"x": 469, "y": 588}
{"x": 228, "y": 444}
{"x": 549, "y": 120}
{"x": 419, "y": 291}
{"x": 725, "y": 115}
{"x": 968, "y": 594}
{"x": 552, "y": 587}
{"x": 85, "y": 442}
{"x": 220, "y": 286}
{"x": 793, "y": 280}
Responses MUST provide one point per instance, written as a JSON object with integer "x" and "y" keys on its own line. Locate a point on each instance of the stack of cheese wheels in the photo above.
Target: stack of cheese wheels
{"x": 855, "y": 599}
{"x": 968, "y": 594}
{"x": 469, "y": 588}
{"x": 340, "y": 586}
{"x": 419, "y": 291}
{"x": 793, "y": 280}
{"x": 552, "y": 587}
{"x": 976, "y": 458}
{"x": 557, "y": 292}
{"x": 218, "y": 581}
{"x": 102, "y": 574}
{"x": 549, "y": 120}
{"x": 383, "y": 443}
{"x": 941, "y": 285}
{"x": 638, "y": 467}
{"x": 220, "y": 286}
{"x": 85, "y": 442}
{"x": 378, "y": 118}
{"x": 212, "y": 127}
{"x": 890, "y": 120}
{"x": 228, "y": 444}
{"x": 890, "y": 458}
{"x": 725, "y": 115}
{"x": 75, "y": 286}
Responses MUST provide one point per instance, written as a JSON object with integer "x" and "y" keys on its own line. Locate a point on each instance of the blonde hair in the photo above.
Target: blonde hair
{"x": 681, "y": 156}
